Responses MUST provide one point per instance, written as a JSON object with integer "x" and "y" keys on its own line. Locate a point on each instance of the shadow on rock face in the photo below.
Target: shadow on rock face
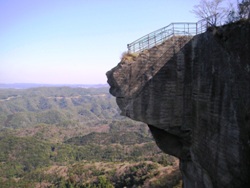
{"x": 171, "y": 144}
{"x": 196, "y": 103}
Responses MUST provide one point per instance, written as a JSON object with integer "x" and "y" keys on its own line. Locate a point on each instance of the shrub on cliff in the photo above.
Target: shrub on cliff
{"x": 128, "y": 57}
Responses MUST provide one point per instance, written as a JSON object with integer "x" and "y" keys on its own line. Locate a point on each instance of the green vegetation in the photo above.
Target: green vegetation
{"x": 74, "y": 137}
{"x": 61, "y": 106}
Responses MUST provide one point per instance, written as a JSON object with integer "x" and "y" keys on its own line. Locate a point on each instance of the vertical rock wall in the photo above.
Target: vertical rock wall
{"x": 196, "y": 104}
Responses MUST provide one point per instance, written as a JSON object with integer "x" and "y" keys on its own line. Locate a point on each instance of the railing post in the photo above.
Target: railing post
{"x": 128, "y": 46}
{"x": 196, "y": 27}
{"x": 148, "y": 41}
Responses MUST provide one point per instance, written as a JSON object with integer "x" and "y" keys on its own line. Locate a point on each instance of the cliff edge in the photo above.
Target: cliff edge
{"x": 195, "y": 98}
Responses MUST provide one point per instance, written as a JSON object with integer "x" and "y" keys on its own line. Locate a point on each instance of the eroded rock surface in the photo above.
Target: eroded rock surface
{"x": 196, "y": 102}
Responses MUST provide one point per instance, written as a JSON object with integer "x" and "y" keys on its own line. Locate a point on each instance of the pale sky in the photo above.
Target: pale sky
{"x": 76, "y": 41}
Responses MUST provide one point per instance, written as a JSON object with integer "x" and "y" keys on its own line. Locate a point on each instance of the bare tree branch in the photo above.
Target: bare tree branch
{"x": 211, "y": 10}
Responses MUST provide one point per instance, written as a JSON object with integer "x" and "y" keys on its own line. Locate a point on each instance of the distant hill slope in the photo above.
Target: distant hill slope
{"x": 74, "y": 137}
{"x": 34, "y": 85}
{"x": 63, "y": 106}
{"x": 124, "y": 138}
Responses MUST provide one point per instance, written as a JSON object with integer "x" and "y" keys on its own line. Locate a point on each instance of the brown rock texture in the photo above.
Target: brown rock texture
{"x": 195, "y": 97}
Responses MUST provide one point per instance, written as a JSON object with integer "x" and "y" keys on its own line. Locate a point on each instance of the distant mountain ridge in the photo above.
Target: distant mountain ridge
{"x": 52, "y": 105}
{"x": 35, "y": 85}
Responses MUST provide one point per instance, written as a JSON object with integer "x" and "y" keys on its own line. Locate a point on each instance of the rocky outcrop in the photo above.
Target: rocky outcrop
{"x": 196, "y": 102}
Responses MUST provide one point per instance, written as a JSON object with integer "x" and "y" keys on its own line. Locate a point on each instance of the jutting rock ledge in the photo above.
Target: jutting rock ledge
{"x": 196, "y": 102}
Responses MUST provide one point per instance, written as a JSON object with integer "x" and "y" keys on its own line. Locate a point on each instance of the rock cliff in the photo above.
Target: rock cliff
{"x": 195, "y": 98}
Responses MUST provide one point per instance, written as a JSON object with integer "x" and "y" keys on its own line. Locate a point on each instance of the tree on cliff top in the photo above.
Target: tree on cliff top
{"x": 215, "y": 12}
{"x": 244, "y": 9}
{"x": 211, "y": 10}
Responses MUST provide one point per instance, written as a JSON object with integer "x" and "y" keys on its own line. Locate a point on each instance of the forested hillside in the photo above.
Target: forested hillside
{"x": 62, "y": 106}
{"x": 75, "y": 137}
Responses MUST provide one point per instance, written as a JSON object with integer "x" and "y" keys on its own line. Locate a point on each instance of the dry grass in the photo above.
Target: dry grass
{"x": 128, "y": 57}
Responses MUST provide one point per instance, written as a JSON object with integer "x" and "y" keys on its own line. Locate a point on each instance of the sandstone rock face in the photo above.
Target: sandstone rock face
{"x": 196, "y": 102}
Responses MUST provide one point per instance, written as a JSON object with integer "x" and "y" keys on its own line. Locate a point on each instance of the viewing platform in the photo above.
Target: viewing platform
{"x": 174, "y": 29}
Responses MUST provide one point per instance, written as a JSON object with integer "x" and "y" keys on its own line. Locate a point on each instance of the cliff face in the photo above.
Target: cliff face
{"x": 196, "y": 102}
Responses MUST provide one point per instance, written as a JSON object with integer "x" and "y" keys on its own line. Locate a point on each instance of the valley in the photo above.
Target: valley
{"x": 75, "y": 137}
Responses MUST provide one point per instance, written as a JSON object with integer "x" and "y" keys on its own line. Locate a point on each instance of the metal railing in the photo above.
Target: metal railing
{"x": 202, "y": 25}
{"x": 161, "y": 35}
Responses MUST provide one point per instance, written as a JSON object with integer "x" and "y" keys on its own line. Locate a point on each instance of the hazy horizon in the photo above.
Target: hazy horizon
{"x": 37, "y": 83}
{"x": 76, "y": 42}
